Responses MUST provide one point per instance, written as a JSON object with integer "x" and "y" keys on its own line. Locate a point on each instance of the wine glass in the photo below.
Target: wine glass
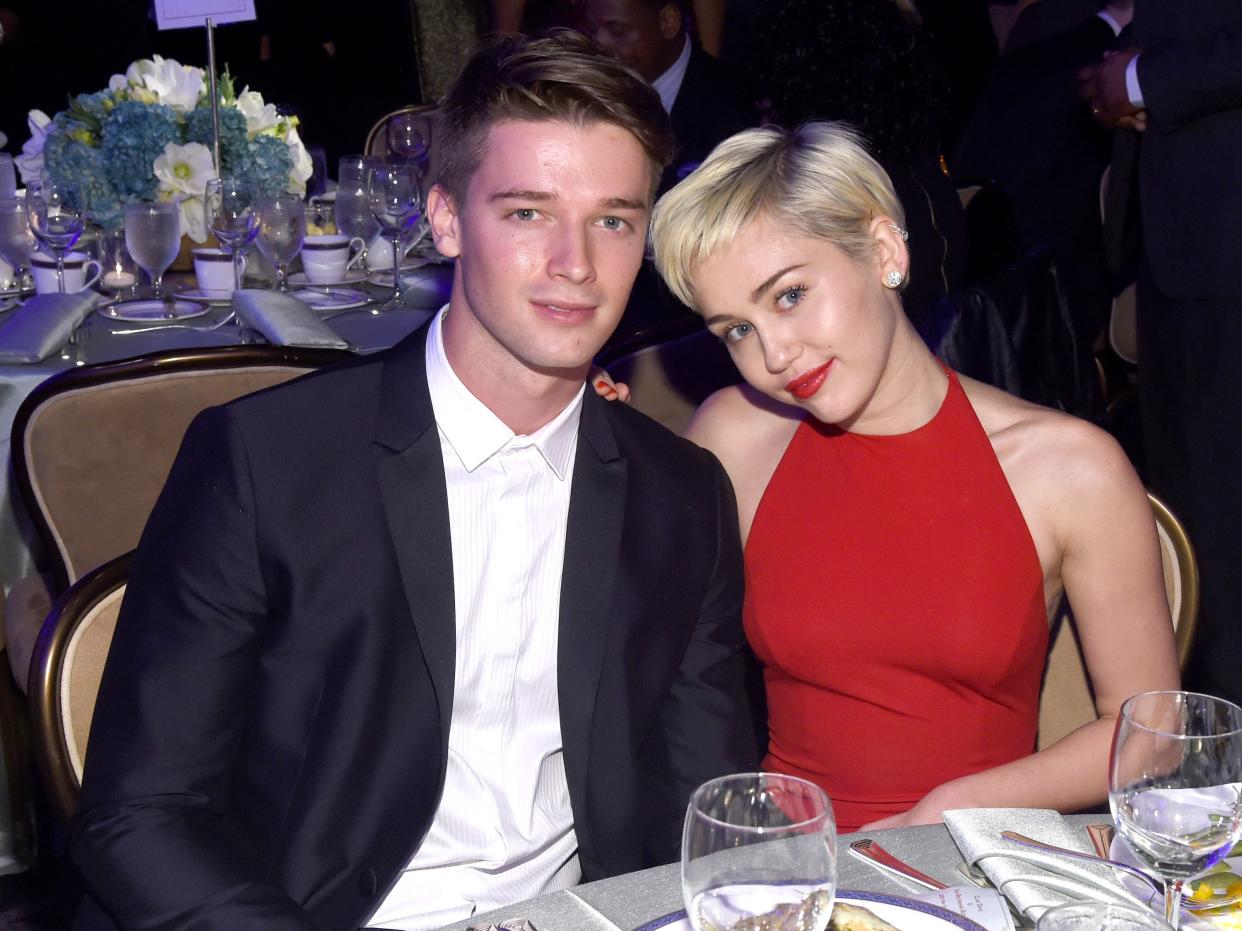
{"x": 17, "y": 242}
{"x": 56, "y": 213}
{"x": 756, "y": 845}
{"x": 408, "y": 137}
{"x": 282, "y": 229}
{"x": 1175, "y": 784}
{"x": 397, "y": 203}
{"x": 353, "y": 204}
{"x": 230, "y": 209}
{"x": 153, "y": 238}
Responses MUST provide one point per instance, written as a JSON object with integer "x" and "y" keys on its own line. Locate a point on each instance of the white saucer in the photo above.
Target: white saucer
{"x": 322, "y": 298}
{"x": 207, "y": 295}
{"x": 152, "y": 311}
{"x": 16, "y": 292}
{"x": 299, "y": 280}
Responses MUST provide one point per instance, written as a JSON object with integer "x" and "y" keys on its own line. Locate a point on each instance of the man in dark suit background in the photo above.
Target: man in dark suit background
{"x": 438, "y": 629}
{"x": 702, "y": 103}
{"x": 1177, "y": 93}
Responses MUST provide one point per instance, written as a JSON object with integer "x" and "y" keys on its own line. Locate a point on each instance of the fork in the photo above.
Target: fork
{"x": 176, "y": 326}
{"x": 873, "y": 853}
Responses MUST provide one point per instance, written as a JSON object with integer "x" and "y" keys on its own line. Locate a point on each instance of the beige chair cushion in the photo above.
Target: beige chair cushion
{"x": 98, "y": 456}
{"x": 85, "y": 655}
{"x": 25, "y": 608}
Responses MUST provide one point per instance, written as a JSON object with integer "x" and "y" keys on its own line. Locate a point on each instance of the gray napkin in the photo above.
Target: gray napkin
{"x": 1033, "y": 881}
{"x": 427, "y": 286}
{"x": 43, "y": 324}
{"x": 283, "y": 319}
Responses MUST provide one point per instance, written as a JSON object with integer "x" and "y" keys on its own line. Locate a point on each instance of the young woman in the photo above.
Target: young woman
{"x": 906, "y": 528}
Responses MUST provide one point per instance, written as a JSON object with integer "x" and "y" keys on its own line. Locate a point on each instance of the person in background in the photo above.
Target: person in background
{"x": 436, "y": 630}
{"x": 1173, "y": 202}
{"x": 905, "y": 528}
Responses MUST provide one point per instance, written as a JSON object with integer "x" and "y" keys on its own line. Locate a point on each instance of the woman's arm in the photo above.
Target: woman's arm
{"x": 1101, "y": 524}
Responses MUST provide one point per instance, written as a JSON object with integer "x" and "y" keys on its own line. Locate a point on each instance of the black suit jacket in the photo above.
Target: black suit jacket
{"x": 270, "y": 739}
{"x": 705, "y": 112}
{"x": 1187, "y": 160}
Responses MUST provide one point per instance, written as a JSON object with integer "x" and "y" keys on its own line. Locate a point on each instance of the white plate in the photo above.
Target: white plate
{"x": 906, "y": 914}
{"x": 299, "y": 280}
{"x": 1120, "y": 852}
{"x": 151, "y": 311}
{"x": 323, "y": 298}
{"x": 207, "y": 295}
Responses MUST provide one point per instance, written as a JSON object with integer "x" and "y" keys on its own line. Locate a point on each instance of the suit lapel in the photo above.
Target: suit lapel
{"x": 592, "y": 551}
{"x": 410, "y": 470}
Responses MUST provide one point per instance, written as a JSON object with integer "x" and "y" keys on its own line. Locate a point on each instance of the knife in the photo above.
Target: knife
{"x": 869, "y": 850}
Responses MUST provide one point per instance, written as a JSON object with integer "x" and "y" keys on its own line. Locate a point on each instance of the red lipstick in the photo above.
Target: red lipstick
{"x": 804, "y": 386}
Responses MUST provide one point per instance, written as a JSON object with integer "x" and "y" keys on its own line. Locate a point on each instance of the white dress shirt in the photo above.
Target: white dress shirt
{"x": 503, "y": 830}
{"x": 669, "y": 83}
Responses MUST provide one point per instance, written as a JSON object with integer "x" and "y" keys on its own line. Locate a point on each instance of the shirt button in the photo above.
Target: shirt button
{"x": 366, "y": 882}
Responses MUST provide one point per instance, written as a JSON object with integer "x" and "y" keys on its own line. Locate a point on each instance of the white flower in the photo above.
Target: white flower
{"x": 169, "y": 82}
{"x": 302, "y": 166}
{"x": 118, "y": 82}
{"x": 193, "y": 217}
{"x": 260, "y": 116}
{"x": 184, "y": 169}
{"x": 30, "y": 162}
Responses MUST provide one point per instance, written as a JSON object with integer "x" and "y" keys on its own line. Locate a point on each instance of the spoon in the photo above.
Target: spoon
{"x": 1215, "y": 900}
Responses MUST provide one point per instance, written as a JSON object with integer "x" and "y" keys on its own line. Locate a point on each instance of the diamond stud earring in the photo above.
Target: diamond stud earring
{"x": 893, "y": 279}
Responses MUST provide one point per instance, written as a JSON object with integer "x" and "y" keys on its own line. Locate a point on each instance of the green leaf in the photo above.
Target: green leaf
{"x": 82, "y": 115}
{"x": 227, "y": 90}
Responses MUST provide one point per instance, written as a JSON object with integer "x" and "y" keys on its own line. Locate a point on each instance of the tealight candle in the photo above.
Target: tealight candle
{"x": 119, "y": 279}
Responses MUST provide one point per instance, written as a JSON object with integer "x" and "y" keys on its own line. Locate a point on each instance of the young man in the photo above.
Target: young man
{"x": 437, "y": 630}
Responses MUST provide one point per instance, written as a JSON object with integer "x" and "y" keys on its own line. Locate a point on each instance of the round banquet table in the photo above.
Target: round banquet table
{"x": 632, "y": 900}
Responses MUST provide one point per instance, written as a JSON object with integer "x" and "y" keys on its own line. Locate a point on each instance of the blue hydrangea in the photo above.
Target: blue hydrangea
{"x": 266, "y": 163}
{"x": 232, "y": 130}
{"x": 134, "y": 135}
{"x": 96, "y": 105}
{"x": 69, "y": 160}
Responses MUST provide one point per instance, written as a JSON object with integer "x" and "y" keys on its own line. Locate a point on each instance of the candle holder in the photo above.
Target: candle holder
{"x": 120, "y": 271}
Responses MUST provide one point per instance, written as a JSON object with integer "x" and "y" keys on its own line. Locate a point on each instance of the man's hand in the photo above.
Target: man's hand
{"x": 1103, "y": 87}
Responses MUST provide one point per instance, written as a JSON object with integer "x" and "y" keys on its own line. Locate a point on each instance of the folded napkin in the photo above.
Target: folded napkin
{"x": 283, "y": 319}
{"x": 1032, "y": 880}
{"x": 427, "y": 286}
{"x": 43, "y": 324}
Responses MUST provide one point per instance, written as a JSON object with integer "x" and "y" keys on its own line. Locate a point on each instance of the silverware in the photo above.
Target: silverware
{"x": 873, "y": 853}
{"x": 175, "y": 326}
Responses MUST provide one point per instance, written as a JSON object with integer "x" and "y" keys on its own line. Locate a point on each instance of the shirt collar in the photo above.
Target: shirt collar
{"x": 669, "y": 83}
{"x": 474, "y": 432}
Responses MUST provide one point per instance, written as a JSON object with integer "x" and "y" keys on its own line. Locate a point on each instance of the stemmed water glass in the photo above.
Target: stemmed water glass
{"x": 282, "y": 230}
{"x": 353, "y": 204}
{"x": 759, "y": 845}
{"x": 230, "y": 208}
{"x": 397, "y": 203}
{"x": 56, "y": 214}
{"x": 17, "y": 242}
{"x": 153, "y": 238}
{"x": 1175, "y": 784}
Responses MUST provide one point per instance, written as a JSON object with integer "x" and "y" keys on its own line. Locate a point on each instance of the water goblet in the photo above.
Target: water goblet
{"x": 758, "y": 850}
{"x": 1099, "y": 916}
{"x": 408, "y": 135}
{"x": 353, "y": 205}
{"x": 282, "y": 230}
{"x": 1175, "y": 784}
{"x": 230, "y": 208}
{"x": 153, "y": 238}
{"x": 397, "y": 203}
{"x": 17, "y": 242}
{"x": 56, "y": 213}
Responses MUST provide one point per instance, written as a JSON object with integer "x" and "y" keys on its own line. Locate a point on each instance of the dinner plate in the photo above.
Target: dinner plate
{"x": 1231, "y": 914}
{"x": 152, "y": 311}
{"x": 906, "y": 914}
{"x": 323, "y": 298}
{"x": 299, "y": 280}
{"x": 207, "y": 295}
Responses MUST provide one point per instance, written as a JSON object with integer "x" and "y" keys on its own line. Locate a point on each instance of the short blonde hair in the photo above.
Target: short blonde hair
{"x": 817, "y": 181}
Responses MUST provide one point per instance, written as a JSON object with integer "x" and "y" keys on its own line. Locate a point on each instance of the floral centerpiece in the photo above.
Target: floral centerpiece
{"x": 148, "y": 137}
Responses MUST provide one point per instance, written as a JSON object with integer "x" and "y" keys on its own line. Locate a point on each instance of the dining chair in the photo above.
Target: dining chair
{"x": 65, "y": 673}
{"x": 1066, "y": 701}
{"x": 92, "y": 446}
{"x": 670, "y": 377}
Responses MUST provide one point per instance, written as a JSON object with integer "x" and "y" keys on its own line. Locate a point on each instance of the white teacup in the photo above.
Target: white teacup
{"x": 379, "y": 252}
{"x": 213, "y": 268}
{"x": 327, "y": 257}
{"x": 77, "y": 276}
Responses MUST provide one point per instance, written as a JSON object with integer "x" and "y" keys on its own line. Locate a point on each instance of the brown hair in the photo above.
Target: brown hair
{"x": 558, "y": 75}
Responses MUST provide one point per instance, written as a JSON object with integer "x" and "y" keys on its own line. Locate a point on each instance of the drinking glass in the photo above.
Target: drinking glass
{"x": 17, "y": 242}
{"x": 353, "y": 204}
{"x": 397, "y": 203}
{"x": 56, "y": 213}
{"x": 153, "y": 238}
{"x": 759, "y": 845}
{"x": 118, "y": 265}
{"x": 1099, "y": 916}
{"x": 231, "y": 214}
{"x": 1175, "y": 784}
{"x": 282, "y": 229}
{"x": 408, "y": 135}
